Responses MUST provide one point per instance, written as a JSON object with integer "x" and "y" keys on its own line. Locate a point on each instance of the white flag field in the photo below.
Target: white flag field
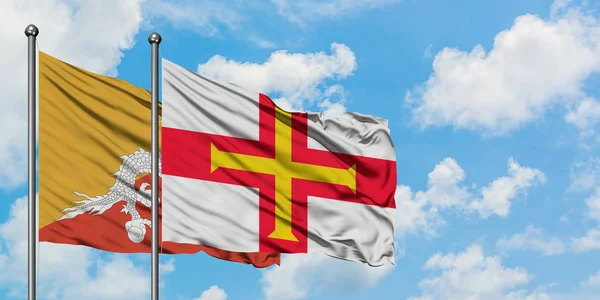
{"x": 241, "y": 174}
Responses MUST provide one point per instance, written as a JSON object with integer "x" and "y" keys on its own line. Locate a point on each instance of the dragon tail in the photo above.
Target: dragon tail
{"x": 96, "y": 205}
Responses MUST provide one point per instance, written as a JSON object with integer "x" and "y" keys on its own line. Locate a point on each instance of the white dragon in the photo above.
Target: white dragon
{"x": 124, "y": 189}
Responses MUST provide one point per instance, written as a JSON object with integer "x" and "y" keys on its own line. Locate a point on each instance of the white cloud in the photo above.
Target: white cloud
{"x": 167, "y": 267}
{"x": 593, "y": 205}
{"x": 213, "y": 293}
{"x": 300, "y": 275}
{"x": 472, "y": 275}
{"x": 209, "y": 17}
{"x": 203, "y": 17}
{"x": 585, "y": 175}
{"x": 74, "y": 31}
{"x": 298, "y": 78}
{"x": 420, "y": 212}
{"x": 443, "y": 184}
{"x": 261, "y": 42}
{"x": 593, "y": 282}
{"x": 496, "y": 197}
{"x": 533, "y": 66}
{"x": 586, "y": 116}
{"x": 445, "y": 190}
{"x": 126, "y": 281}
{"x": 532, "y": 239}
{"x": 523, "y": 295}
{"x": 332, "y": 108}
{"x": 66, "y": 271}
{"x": 588, "y": 291}
{"x": 559, "y": 6}
{"x": 214, "y": 18}
{"x": 301, "y": 11}
{"x": 415, "y": 214}
{"x": 428, "y": 51}
{"x": 589, "y": 242}
{"x": 334, "y": 100}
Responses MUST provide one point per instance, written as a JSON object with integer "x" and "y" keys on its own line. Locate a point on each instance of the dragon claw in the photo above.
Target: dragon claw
{"x": 136, "y": 229}
{"x": 145, "y": 194}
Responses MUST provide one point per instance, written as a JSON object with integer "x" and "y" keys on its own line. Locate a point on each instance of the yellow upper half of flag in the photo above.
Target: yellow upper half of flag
{"x": 86, "y": 123}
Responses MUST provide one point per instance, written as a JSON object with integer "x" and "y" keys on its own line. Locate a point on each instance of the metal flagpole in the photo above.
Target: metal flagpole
{"x": 154, "y": 40}
{"x": 31, "y": 32}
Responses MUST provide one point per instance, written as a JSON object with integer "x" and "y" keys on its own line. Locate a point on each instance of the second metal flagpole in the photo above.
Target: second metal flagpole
{"x": 31, "y": 32}
{"x": 154, "y": 40}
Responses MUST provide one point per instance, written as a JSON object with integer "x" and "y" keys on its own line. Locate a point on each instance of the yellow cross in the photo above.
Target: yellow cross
{"x": 284, "y": 170}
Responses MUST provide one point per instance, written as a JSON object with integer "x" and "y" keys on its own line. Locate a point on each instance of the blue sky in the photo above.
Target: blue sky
{"x": 492, "y": 106}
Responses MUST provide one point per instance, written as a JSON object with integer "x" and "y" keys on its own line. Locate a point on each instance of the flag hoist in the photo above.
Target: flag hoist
{"x": 154, "y": 39}
{"x": 31, "y": 32}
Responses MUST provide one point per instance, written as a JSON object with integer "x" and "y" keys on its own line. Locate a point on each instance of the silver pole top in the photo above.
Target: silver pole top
{"x": 154, "y": 38}
{"x": 32, "y": 30}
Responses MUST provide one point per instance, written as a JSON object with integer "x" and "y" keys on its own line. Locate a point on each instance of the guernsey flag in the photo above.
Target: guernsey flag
{"x": 94, "y": 165}
{"x": 241, "y": 174}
